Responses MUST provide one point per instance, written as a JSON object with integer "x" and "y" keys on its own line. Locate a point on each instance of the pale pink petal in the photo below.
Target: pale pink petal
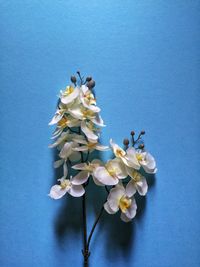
{"x": 68, "y": 99}
{"x": 80, "y": 178}
{"x": 103, "y": 176}
{"x": 108, "y": 208}
{"x": 142, "y": 186}
{"x": 76, "y": 190}
{"x": 130, "y": 188}
{"x": 57, "y": 192}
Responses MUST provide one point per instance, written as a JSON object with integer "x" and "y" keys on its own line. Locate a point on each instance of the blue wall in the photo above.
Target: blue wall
{"x": 144, "y": 56}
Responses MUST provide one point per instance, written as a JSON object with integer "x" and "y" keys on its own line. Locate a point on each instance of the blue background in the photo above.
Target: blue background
{"x": 144, "y": 56}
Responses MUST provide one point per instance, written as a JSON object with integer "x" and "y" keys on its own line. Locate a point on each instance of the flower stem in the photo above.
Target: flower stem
{"x": 85, "y": 250}
{"x": 94, "y": 226}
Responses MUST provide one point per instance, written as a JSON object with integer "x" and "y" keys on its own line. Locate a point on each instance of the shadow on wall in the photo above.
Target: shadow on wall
{"x": 119, "y": 235}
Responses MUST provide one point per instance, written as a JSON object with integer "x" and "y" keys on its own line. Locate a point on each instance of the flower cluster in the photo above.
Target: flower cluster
{"x": 76, "y": 137}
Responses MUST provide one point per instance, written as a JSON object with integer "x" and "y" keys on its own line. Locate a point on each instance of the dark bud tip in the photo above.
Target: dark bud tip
{"x": 88, "y": 79}
{"x": 78, "y": 72}
{"x": 91, "y": 84}
{"x": 132, "y": 133}
{"x": 142, "y": 132}
{"x": 126, "y": 142}
{"x": 73, "y": 79}
{"x": 141, "y": 146}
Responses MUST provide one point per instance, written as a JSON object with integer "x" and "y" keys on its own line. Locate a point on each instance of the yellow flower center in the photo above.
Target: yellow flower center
{"x": 110, "y": 170}
{"x": 91, "y": 145}
{"x": 120, "y": 153}
{"x": 139, "y": 157}
{"x": 65, "y": 183}
{"x": 90, "y": 98}
{"x": 69, "y": 90}
{"x": 63, "y": 122}
{"x": 136, "y": 176}
{"x": 88, "y": 113}
{"x": 124, "y": 203}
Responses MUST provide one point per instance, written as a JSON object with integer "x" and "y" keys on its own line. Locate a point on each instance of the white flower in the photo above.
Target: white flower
{"x": 111, "y": 172}
{"x": 143, "y": 158}
{"x": 66, "y": 186}
{"x": 118, "y": 200}
{"x": 120, "y": 153}
{"x": 86, "y": 169}
{"x": 89, "y": 146}
{"x": 64, "y": 122}
{"x": 137, "y": 182}
{"x": 88, "y": 129}
{"x": 88, "y": 100}
{"x": 67, "y": 152}
{"x": 69, "y": 95}
{"x": 78, "y": 111}
{"x": 65, "y": 136}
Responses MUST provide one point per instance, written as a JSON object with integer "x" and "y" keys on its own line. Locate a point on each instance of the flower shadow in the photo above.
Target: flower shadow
{"x": 119, "y": 236}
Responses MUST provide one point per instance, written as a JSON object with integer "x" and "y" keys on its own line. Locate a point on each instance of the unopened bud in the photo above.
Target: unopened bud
{"x": 141, "y": 146}
{"x": 88, "y": 79}
{"x": 142, "y": 132}
{"x": 73, "y": 79}
{"x": 91, "y": 84}
{"x": 132, "y": 133}
{"x": 126, "y": 142}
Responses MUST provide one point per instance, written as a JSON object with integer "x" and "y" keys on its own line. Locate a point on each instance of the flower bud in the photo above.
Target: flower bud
{"x": 141, "y": 146}
{"x": 91, "y": 84}
{"x": 132, "y": 133}
{"x": 88, "y": 79}
{"x": 73, "y": 79}
{"x": 142, "y": 132}
{"x": 126, "y": 142}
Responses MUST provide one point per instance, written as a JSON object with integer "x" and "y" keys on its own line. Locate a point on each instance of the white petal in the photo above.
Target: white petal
{"x": 58, "y": 163}
{"x": 124, "y": 218}
{"x": 68, "y": 99}
{"x": 150, "y": 166}
{"x": 103, "y": 176}
{"x": 142, "y": 186}
{"x": 108, "y": 209}
{"x": 132, "y": 159}
{"x": 131, "y": 212}
{"x": 98, "y": 121}
{"x": 66, "y": 150}
{"x": 56, "y": 118}
{"x": 81, "y": 148}
{"x": 101, "y": 148}
{"x": 81, "y": 166}
{"x": 96, "y": 181}
{"x": 76, "y": 190}
{"x": 57, "y": 192}
{"x": 114, "y": 196}
{"x": 130, "y": 188}
{"x": 65, "y": 169}
{"x": 89, "y": 133}
{"x": 80, "y": 178}
{"x": 119, "y": 168}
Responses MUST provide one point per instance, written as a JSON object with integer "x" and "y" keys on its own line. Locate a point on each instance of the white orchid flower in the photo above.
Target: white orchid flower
{"x": 137, "y": 183}
{"x": 66, "y": 186}
{"x": 65, "y": 136}
{"x": 78, "y": 111}
{"x": 98, "y": 120}
{"x": 143, "y": 158}
{"x": 69, "y": 95}
{"x": 67, "y": 152}
{"x": 118, "y": 200}
{"x": 120, "y": 153}
{"x": 87, "y": 99}
{"x": 111, "y": 173}
{"x": 64, "y": 122}
{"x": 86, "y": 169}
{"x": 90, "y": 131}
{"x": 89, "y": 146}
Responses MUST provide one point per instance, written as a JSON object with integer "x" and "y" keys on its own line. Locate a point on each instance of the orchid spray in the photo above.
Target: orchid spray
{"x": 78, "y": 125}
